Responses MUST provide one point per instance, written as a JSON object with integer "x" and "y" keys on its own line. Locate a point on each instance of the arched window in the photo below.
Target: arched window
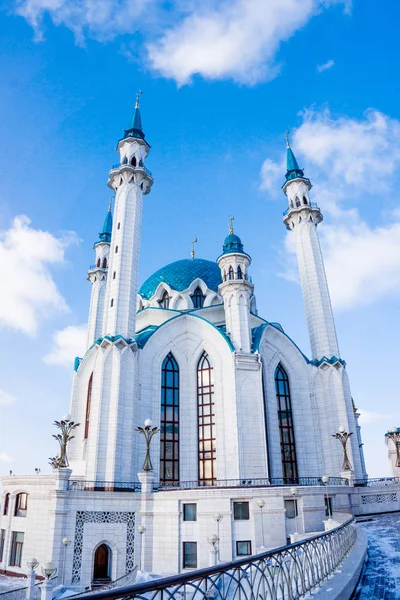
{"x": 125, "y": 161}
{"x": 231, "y": 273}
{"x": 206, "y": 422}
{"x": 119, "y": 226}
{"x": 104, "y": 265}
{"x": 305, "y": 200}
{"x": 198, "y": 298}
{"x": 169, "y": 421}
{"x": 112, "y": 302}
{"x": 288, "y": 447}
{"x": 116, "y": 249}
{"x": 6, "y": 504}
{"x": 239, "y": 273}
{"x": 98, "y": 262}
{"x": 102, "y": 564}
{"x": 21, "y": 505}
{"x": 133, "y": 161}
{"x": 88, "y": 403}
{"x": 114, "y": 274}
{"x": 164, "y": 302}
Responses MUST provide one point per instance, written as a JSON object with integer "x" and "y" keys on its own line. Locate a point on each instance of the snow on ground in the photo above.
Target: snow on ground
{"x": 12, "y": 583}
{"x": 380, "y": 579}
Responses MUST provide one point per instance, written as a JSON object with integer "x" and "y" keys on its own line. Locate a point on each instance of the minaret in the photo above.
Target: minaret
{"x": 130, "y": 180}
{"x": 97, "y": 275}
{"x": 236, "y": 291}
{"x": 302, "y": 217}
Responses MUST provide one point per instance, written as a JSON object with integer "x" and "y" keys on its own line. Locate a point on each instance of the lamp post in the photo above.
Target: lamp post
{"x": 32, "y": 563}
{"x": 65, "y": 542}
{"x": 394, "y": 435}
{"x": 213, "y": 541}
{"x": 148, "y": 432}
{"x": 261, "y": 504}
{"x": 218, "y": 518}
{"x": 325, "y": 481}
{"x": 343, "y": 436}
{"x": 48, "y": 570}
{"x": 141, "y": 530}
{"x": 293, "y": 491}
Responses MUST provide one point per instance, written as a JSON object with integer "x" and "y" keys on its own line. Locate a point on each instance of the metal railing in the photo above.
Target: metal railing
{"x": 117, "y": 583}
{"x": 312, "y": 204}
{"x": 119, "y": 165}
{"x": 289, "y": 573}
{"x": 266, "y": 482}
{"x": 104, "y": 486}
{"x": 375, "y": 482}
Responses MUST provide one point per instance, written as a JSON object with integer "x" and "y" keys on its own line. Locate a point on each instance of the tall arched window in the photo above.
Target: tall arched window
{"x": 206, "y": 423}
{"x": 288, "y": 447}
{"x": 198, "y": 298}
{"x": 21, "y": 505}
{"x": 231, "y": 274}
{"x": 169, "y": 421}
{"x": 239, "y": 273}
{"x": 88, "y": 403}
{"x": 104, "y": 265}
{"x": 164, "y": 302}
{"x": 6, "y": 504}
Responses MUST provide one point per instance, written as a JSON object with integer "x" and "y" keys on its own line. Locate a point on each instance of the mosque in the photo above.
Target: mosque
{"x": 246, "y": 419}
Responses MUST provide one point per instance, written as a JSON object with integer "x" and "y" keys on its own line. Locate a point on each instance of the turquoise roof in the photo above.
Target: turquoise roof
{"x": 105, "y": 235}
{"x": 135, "y": 126}
{"x": 232, "y": 243}
{"x": 180, "y": 274}
{"x": 293, "y": 170}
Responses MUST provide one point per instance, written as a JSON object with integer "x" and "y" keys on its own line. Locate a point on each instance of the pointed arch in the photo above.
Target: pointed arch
{"x": 104, "y": 264}
{"x": 286, "y": 430}
{"x": 206, "y": 421}
{"x": 198, "y": 298}
{"x": 164, "y": 302}
{"x": 231, "y": 274}
{"x": 169, "y": 421}
{"x": 88, "y": 403}
{"x": 239, "y": 273}
{"x": 102, "y": 563}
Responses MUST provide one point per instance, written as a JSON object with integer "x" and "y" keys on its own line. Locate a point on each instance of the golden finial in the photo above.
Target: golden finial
{"x": 137, "y": 98}
{"x": 192, "y": 254}
{"x": 287, "y": 139}
{"x": 231, "y": 224}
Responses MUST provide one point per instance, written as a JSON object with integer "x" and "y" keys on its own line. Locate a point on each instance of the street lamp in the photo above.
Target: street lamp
{"x": 218, "y": 518}
{"x": 32, "y": 563}
{"x": 325, "y": 481}
{"x": 394, "y": 435}
{"x": 49, "y": 570}
{"x": 213, "y": 541}
{"x": 343, "y": 438}
{"x": 293, "y": 491}
{"x": 65, "y": 542}
{"x": 148, "y": 432}
{"x": 141, "y": 530}
{"x": 261, "y": 504}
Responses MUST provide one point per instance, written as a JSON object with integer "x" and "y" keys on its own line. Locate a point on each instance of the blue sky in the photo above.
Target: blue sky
{"x": 221, "y": 82}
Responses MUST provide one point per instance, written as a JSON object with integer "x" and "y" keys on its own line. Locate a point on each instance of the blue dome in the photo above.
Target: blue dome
{"x": 180, "y": 274}
{"x": 232, "y": 243}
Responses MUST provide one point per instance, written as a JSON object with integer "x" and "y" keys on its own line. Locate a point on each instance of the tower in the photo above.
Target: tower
{"x": 236, "y": 291}
{"x": 302, "y": 217}
{"x": 130, "y": 180}
{"x": 97, "y": 275}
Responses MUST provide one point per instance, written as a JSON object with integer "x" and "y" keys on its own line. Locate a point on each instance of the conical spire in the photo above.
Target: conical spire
{"x": 105, "y": 235}
{"x": 292, "y": 166}
{"x": 135, "y": 125}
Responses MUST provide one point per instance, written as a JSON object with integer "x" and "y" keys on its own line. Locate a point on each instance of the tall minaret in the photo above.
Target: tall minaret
{"x": 130, "y": 180}
{"x": 97, "y": 275}
{"x": 236, "y": 291}
{"x": 302, "y": 217}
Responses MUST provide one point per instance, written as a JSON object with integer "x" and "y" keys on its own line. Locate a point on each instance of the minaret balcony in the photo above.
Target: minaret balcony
{"x": 300, "y": 206}
{"x": 133, "y": 168}
{"x": 96, "y": 268}
{"x": 294, "y": 214}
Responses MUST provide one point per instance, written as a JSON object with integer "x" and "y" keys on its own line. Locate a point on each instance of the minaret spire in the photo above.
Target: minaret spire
{"x": 302, "y": 217}
{"x": 135, "y": 125}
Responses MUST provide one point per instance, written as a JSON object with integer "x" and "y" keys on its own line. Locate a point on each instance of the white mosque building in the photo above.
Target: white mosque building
{"x": 244, "y": 414}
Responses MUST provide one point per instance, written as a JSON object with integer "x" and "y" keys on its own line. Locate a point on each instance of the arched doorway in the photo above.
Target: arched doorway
{"x": 102, "y": 564}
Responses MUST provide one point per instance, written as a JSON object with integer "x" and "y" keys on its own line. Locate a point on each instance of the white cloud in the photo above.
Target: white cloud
{"x": 5, "y": 458}
{"x": 345, "y": 159}
{"x": 216, "y": 39}
{"x": 237, "y": 39}
{"x": 31, "y": 293}
{"x": 67, "y": 344}
{"x": 368, "y": 417}
{"x": 6, "y": 399}
{"x": 324, "y": 67}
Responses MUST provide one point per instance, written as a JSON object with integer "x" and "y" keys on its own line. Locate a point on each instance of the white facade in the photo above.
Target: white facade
{"x": 242, "y": 410}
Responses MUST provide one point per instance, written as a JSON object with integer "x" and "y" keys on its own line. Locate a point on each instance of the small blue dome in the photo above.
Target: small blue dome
{"x": 180, "y": 274}
{"x": 232, "y": 243}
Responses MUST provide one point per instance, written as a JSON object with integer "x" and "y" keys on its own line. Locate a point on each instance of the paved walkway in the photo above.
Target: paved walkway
{"x": 380, "y": 579}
